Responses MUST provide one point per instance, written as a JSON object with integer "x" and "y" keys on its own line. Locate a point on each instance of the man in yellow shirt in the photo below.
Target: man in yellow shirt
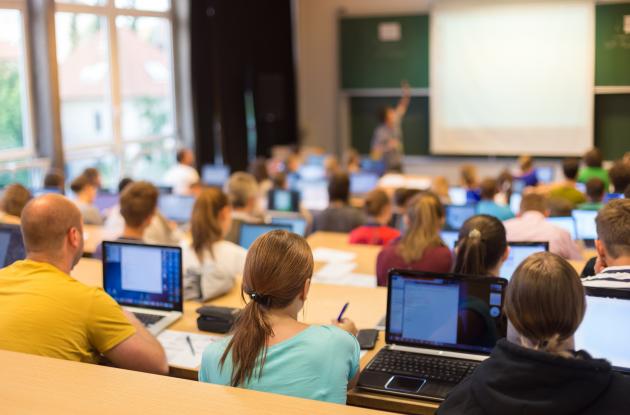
{"x": 46, "y": 312}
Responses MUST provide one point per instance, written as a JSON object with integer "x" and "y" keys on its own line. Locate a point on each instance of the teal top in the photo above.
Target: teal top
{"x": 590, "y": 206}
{"x": 488, "y": 207}
{"x": 588, "y": 173}
{"x": 316, "y": 363}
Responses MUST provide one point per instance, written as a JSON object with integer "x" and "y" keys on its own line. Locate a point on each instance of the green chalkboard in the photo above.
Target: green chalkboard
{"x": 612, "y": 125}
{"x": 612, "y": 46}
{"x": 368, "y": 62}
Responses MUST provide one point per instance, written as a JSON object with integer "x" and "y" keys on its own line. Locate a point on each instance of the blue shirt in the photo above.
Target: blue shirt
{"x": 488, "y": 207}
{"x": 316, "y": 363}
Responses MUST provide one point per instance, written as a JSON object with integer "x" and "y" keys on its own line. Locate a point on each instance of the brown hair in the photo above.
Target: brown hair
{"x": 619, "y": 175}
{"x": 525, "y": 162}
{"x": 468, "y": 175}
{"x": 593, "y": 158}
{"x": 402, "y": 196}
{"x": 138, "y": 202}
{"x": 545, "y": 301}
{"x": 80, "y": 183}
{"x": 277, "y": 266}
{"x": 375, "y": 202}
{"x": 570, "y": 167}
{"x": 204, "y": 222}
{"x": 613, "y": 227}
{"x": 14, "y": 198}
{"x": 339, "y": 187}
{"x": 533, "y": 202}
{"x": 489, "y": 188}
{"x": 54, "y": 179}
{"x": 481, "y": 245}
{"x": 93, "y": 176}
{"x": 258, "y": 169}
{"x": 595, "y": 189}
{"x": 424, "y": 214}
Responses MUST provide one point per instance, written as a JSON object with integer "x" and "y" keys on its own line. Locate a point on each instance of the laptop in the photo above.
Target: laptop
{"x": 603, "y": 332}
{"x": 283, "y": 200}
{"x": 249, "y": 232}
{"x": 177, "y": 208}
{"x": 363, "y": 182}
{"x": 146, "y": 280}
{"x": 457, "y": 215}
{"x": 215, "y": 175}
{"x": 450, "y": 238}
{"x": 518, "y": 252}
{"x": 105, "y": 201}
{"x": 439, "y": 328}
{"x": 545, "y": 174}
{"x": 565, "y": 222}
{"x": 458, "y": 195}
{"x": 297, "y": 223}
{"x": 515, "y": 203}
{"x": 313, "y": 194}
{"x": 585, "y": 228}
{"x": 11, "y": 244}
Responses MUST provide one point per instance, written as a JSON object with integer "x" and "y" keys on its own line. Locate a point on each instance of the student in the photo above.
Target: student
{"x": 482, "y": 247}
{"x": 527, "y": 172}
{"x": 612, "y": 266}
{"x": 55, "y": 181}
{"x": 14, "y": 198}
{"x": 401, "y": 198}
{"x": 469, "y": 180}
{"x": 593, "y": 161}
{"x": 211, "y": 264}
{"x": 85, "y": 193}
{"x": 378, "y": 208}
{"x": 44, "y": 311}
{"x": 440, "y": 187}
{"x": 183, "y": 176}
{"x": 352, "y": 161}
{"x": 258, "y": 169}
{"x": 595, "y": 192}
{"x": 619, "y": 175}
{"x": 269, "y": 349}
{"x": 487, "y": 206}
{"x": 531, "y": 226}
{"x": 535, "y": 370}
{"x": 567, "y": 189}
{"x": 93, "y": 176}
{"x": 339, "y": 216}
{"x": 420, "y": 248}
{"x": 242, "y": 192}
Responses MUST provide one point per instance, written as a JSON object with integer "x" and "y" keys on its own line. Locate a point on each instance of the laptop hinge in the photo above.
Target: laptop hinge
{"x": 440, "y": 353}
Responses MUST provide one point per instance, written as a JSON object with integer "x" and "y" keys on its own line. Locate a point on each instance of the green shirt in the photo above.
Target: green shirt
{"x": 590, "y": 206}
{"x": 588, "y": 173}
{"x": 568, "y": 193}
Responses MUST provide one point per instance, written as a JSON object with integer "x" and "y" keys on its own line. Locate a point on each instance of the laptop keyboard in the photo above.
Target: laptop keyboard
{"x": 148, "y": 319}
{"x": 422, "y": 366}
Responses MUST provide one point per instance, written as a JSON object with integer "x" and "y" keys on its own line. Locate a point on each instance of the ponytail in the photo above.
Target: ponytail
{"x": 470, "y": 255}
{"x": 482, "y": 243}
{"x": 204, "y": 222}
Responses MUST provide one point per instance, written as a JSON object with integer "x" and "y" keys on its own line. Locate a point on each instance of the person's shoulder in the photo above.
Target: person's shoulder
{"x": 332, "y": 336}
{"x": 228, "y": 248}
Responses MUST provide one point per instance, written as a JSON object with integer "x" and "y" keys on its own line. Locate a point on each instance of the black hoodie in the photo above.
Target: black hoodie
{"x": 520, "y": 381}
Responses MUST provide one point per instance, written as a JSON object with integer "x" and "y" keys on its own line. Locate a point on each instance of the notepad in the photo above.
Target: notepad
{"x": 333, "y": 255}
{"x": 178, "y": 352}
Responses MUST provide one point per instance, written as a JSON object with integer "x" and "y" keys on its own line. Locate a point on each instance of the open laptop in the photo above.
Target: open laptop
{"x": 146, "y": 280}
{"x": 214, "y": 175}
{"x": 450, "y": 238}
{"x": 297, "y": 223}
{"x": 283, "y": 200}
{"x": 458, "y": 195}
{"x": 518, "y": 252}
{"x": 545, "y": 174}
{"x": 515, "y": 203}
{"x": 105, "y": 201}
{"x": 439, "y": 328}
{"x": 313, "y": 194}
{"x": 565, "y": 222}
{"x": 585, "y": 227}
{"x": 177, "y": 208}
{"x": 249, "y": 232}
{"x": 457, "y": 215}
{"x": 363, "y": 182}
{"x": 11, "y": 244}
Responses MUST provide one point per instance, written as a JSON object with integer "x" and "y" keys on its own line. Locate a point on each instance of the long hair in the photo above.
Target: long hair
{"x": 277, "y": 267}
{"x": 204, "y": 221}
{"x": 481, "y": 245}
{"x": 424, "y": 215}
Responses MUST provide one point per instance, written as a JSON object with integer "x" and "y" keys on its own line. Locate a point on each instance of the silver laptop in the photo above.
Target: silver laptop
{"x": 146, "y": 280}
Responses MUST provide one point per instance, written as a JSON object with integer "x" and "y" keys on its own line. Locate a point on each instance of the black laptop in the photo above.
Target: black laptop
{"x": 11, "y": 244}
{"x": 439, "y": 328}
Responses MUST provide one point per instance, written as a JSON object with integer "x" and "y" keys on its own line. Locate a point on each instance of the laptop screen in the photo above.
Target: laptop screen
{"x": 283, "y": 200}
{"x": 11, "y": 245}
{"x": 147, "y": 276}
{"x": 212, "y": 175}
{"x": 457, "y": 195}
{"x": 450, "y": 238}
{"x": 515, "y": 203}
{"x": 314, "y": 194}
{"x": 176, "y": 207}
{"x": 545, "y": 174}
{"x": 518, "y": 252}
{"x": 457, "y": 215}
{"x": 585, "y": 224}
{"x": 298, "y": 225}
{"x": 362, "y": 183}
{"x": 445, "y": 311}
{"x": 250, "y": 232}
{"x": 565, "y": 222}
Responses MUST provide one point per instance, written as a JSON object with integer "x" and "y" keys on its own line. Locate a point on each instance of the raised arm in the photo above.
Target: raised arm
{"x": 403, "y": 103}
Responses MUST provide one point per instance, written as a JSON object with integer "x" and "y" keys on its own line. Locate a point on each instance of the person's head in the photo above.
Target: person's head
{"x": 378, "y": 206}
{"x": 525, "y": 163}
{"x": 123, "y": 183}
{"x": 570, "y": 168}
{"x": 402, "y": 197}
{"x": 276, "y": 277}
{"x": 439, "y": 186}
{"x": 593, "y": 158}
{"x": 93, "y": 176}
{"x": 468, "y": 176}
{"x": 489, "y": 188}
{"x": 559, "y": 206}
{"x": 387, "y": 116}
{"x": 258, "y": 169}
{"x": 242, "y": 191}
{"x": 293, "y": 163}
{"x": 279, "y": 180}
{"x": 424, "y": 219}
{"x": 595, "y": 190}
{"x": 55, "y": 179}
{"x": 186, "y": 157}
{"x": 52, "y": 229}
{"x": 138, "y": 203}
{"x": 339, "y": 187}
{"x": 84, "y": 189}
{"x": 210, "y": 221}
{"x": 14, "y": 198}
{"x": 352, "y": 160}
{"x": 331, "y": 166}
{"x": 619, "y": 175}
{"x": 613, "y": 232}
{"x": 533, "y": 202}
{"x": 482, "y": 246}
{"x": 544, "y": 303}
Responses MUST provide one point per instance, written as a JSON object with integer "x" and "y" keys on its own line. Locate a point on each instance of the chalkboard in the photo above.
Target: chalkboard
{"x": 371, "y": 57}
{"x": 612, "y": 124}
{"x": 612, "y": 46}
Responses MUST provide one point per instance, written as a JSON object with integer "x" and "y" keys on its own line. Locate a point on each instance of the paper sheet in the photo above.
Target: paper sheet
{"x": 337, "y": 270}
{"x": 350, "y": 279}
{"x": 333, "y": 255}
{"x": 178, "y": 351}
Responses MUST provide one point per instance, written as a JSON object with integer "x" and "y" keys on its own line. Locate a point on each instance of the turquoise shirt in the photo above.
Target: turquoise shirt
{"x": 316, "y": 363}
{"x": 488, "y": 207}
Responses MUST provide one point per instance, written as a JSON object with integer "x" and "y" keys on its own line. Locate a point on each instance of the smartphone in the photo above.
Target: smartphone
{"x": 367, "y": 338}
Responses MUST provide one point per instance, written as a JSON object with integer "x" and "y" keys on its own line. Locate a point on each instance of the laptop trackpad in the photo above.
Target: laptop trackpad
{"x": 405, "y": 384}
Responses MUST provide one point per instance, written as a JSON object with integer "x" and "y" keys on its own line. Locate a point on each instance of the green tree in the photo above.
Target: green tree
{"x": 10, "y": 107}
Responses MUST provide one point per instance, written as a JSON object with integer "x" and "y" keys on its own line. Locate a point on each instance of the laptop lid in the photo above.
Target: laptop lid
{"x": 297, "y": 224}
{"x": 445, "y": 311}
{"x": 457, "y": 195}
{"x": 314, "y": 194}
{"x": 11, "y": 244}
{"x": 283, "y": 200}
{"x": 545, "y": 174}
{"x": 565, "y": 222}
{"x": 603, "y": 332}
{"x": 457, "y": 215}
{"x": 142, "y": 275}
{"x": 585, "y": 224}
{"x": 518, "y": 252}
{"x": 363, "y": 182}
{"x": 515, "y": 203}
{"x": 249, "y": 232}
{"x": 215, "y": 175}
{"x": 177, "y": 208}
{"x": 106, "y": 200}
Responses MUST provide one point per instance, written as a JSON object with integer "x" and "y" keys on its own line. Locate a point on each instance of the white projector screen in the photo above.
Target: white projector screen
{"x": 512, "y": 76}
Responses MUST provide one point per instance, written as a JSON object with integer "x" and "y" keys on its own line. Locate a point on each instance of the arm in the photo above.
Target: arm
{"x": 403, "y": 104}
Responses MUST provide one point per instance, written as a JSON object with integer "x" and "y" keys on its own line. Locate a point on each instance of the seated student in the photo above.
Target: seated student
{"x": 593, "y": 160}
{"x": 535, "y": 370}
{"x": 469, "y": 180}
{"x": 55, "y": 180}
{"x": 242, "y": 192}
{"x": 401, "y": 198}
{"x": 378, "y": 208}
{"x": 531, "y": 226}
{"x": 14, "y": 198}
{"x": 595, "y": 192}
{"x": 612, "y": 266}
{"x": 487, "y": 206}
{"x": 567, "y": 189}
{"x": 183, "y": 176}
{"x": 85, "y": 194}
{"x": 211, "y": 264}
{"x": 338, "y": 216}
{"x": 269, "y": 349}
{"x": 440, "y": 187}
{"x": 258, "y": 169}
{"x": 558, "y": 206}
{"x": 482, "y": 247}
{"x": 44, "y": 311}
{"x": 420, "y": 248}
{"x": 527, "y": 172}
{"x": 352, "y": 161}
{"x": 94, "y": 177}
{"x": 619, "y": 175}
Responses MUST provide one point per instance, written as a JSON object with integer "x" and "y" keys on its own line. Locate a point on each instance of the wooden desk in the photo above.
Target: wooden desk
{"x": 366, "y": 254}
{"x": 36, "y": 385}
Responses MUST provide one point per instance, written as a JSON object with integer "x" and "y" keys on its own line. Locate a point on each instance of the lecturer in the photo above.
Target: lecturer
{"x": 387, "y": 139}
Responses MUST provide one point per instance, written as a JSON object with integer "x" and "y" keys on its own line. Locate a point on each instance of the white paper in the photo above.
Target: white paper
{"x": 337, "y": 270}
{"x": 333, "y": 255}
{"x": 178, "y": 351}
{"x": 350, "y": 279}
{"x": 389, "y": 32}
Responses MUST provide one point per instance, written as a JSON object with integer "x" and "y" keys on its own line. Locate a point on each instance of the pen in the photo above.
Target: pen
{"x": 343, "y": 310}
{"x": 192, "y": 349}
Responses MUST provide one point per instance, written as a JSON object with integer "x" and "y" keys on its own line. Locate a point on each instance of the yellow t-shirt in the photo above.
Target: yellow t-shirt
{"x": 46, "y": 312}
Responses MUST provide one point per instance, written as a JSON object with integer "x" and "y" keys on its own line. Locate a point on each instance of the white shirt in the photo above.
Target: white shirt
{"x": 180, "y": 177}
{"x": 611, "y": 277}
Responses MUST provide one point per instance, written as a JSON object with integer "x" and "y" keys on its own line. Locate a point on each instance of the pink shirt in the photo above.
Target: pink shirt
{"x": 531, "y": 226}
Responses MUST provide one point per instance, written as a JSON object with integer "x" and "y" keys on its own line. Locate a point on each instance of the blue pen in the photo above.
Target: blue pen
{"x": 343, "y": 310}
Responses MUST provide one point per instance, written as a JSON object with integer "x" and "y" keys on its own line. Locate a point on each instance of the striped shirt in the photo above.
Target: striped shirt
{"x": 611, "y": 277}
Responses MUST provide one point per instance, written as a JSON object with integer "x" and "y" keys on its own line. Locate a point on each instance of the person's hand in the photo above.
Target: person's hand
{"x": 600, "y": 264}
{"x": 347, "y": 325}
{"x": 405, "y": 87}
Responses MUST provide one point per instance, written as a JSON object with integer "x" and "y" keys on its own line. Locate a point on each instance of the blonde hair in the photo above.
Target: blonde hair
{"x": 241, "y": 188}
{"x": 204, "y": 221}
{"x": 424, "y": 215}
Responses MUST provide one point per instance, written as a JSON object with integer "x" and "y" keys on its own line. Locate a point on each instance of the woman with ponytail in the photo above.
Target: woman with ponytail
{"x": 269, "y": 349}
{"x": 482, "y": 247}
{"x": 535, "y": 370}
